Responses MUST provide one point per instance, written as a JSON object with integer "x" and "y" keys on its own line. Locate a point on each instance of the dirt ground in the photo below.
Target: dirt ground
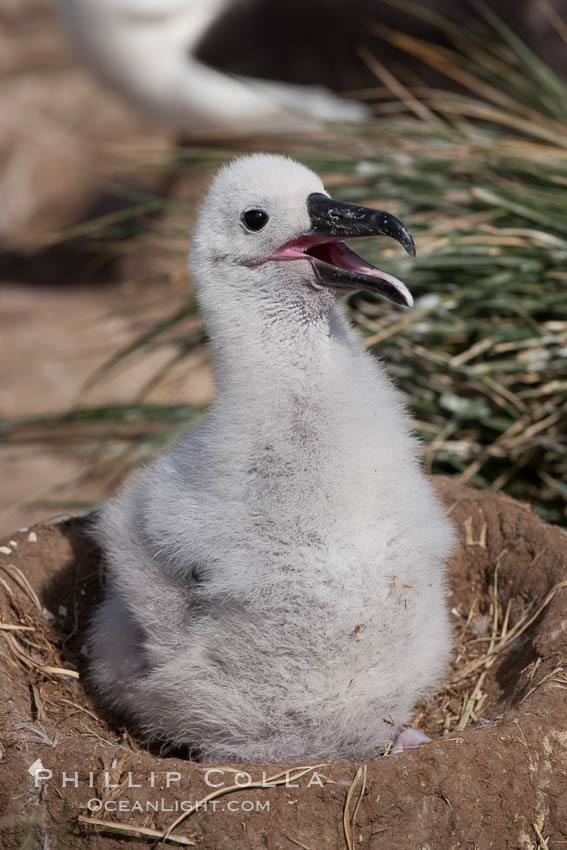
{"x": 493, "y": 777}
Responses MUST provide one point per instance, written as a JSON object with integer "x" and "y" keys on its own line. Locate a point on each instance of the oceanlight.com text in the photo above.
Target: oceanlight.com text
{"x": 161, "y": 805}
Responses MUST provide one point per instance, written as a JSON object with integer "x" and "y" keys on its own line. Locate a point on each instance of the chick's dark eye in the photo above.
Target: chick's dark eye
{"x": 254, "y": 219}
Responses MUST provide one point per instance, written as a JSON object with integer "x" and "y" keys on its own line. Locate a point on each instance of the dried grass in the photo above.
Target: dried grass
{"x": 460, "y": 702}
{"x": 37, "y": 655}
{"x": 128, "y": 829}
{"x": 349, "y": 819}
{"x": 282, "y": 778}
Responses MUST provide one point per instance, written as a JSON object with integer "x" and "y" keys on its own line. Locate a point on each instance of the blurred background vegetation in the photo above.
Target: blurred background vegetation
{"x": 476, "y": 166}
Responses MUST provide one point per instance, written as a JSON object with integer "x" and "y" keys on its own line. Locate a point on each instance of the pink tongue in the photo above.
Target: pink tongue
{"x": 339, "y": 254}
{"x": 298, "y": 247}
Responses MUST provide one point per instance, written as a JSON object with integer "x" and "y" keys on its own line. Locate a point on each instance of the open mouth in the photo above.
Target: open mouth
{"x": 337, "y": 266}
{"x": 334, "y": 263}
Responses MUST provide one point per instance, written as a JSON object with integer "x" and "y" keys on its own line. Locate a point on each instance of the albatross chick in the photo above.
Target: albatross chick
{"x": 275, "y": 579}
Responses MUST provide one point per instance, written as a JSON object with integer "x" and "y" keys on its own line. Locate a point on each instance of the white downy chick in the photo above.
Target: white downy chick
{"x": 276, "y": 578}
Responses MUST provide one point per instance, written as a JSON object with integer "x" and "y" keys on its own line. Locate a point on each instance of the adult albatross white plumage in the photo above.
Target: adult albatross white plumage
{"x": 275, "y": 579}
{"x": 144, "y": 49}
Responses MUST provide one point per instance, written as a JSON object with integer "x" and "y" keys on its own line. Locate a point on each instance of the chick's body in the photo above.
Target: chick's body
{"x": 276, "y": 584}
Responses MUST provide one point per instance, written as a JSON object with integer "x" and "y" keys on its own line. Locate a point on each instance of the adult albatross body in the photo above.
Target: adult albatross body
{"x": 144, "y": 49}
{"x": 275, "y": 579}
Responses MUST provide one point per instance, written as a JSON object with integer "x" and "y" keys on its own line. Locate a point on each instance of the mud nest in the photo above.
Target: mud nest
{"x": 494, "y": 775}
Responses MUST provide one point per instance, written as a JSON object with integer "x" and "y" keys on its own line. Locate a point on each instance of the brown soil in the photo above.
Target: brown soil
{"x": 500, "y": 784}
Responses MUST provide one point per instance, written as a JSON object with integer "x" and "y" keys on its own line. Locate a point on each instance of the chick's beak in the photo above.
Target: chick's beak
{"x": 345, "y": 221}
{"x": 335, "y": 264}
